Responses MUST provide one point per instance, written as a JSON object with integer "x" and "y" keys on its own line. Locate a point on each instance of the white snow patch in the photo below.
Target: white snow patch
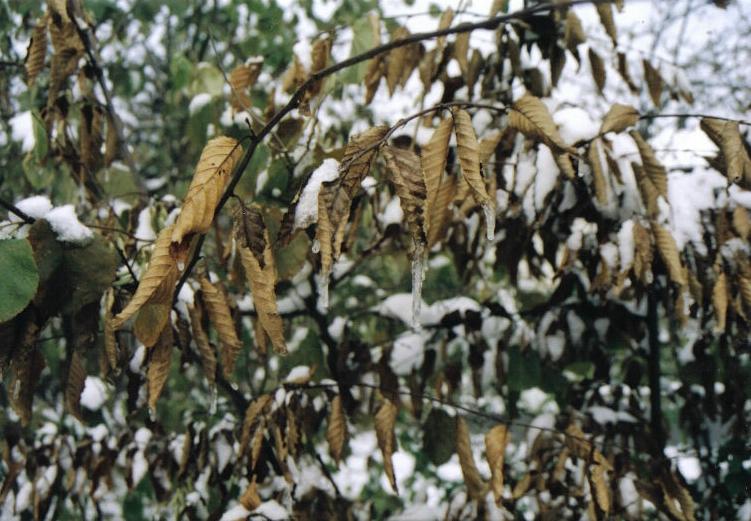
{"x": 407, "y": 353}
{"x": 66, "y": 225}
{"x": 37, "y": 207}
{"x": 306, "y": 212}
{"x": 236, "y": 513}
{"x": 272, "y": 510}
{"x": 94, "y": 393}
{"x": 198, "y": 102}
{"x": 22, "y": 129}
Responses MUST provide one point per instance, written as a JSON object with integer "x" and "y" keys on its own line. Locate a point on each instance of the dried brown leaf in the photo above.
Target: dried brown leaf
{"x": 573, "y": 31}
{"x": 205, "y": 349}
{"x": 652, "y": 167}
{"x": 720, "y": 299}
{"x": 409, "y": 182}
{"x": 434, "y": 156}
{"x": 476, "y": 486}
{"x": 221, "y": 318}
{"x": 625, "y": 74}
{"x": 605, "y": 11}
{"x": 254, "y": 247}
{"x": 495, "y": 449}
{"x": 468, "y": 150}
{"x": 654, "y": 82}
{"x": 599, "y": 180}
{"x": 726, "y": 135}
{"x": 668, "y": 250}
{"x": 74, "y": 383}
{"x": 619, "y": 118}
{"x": 159, "y": 366}
{"x": 157, "y": 284}
{"x": 461, "y": 52}
{"x": 396, "y": 60}
{"x": 212, "y": 174}
{"x": 253, "y": 412}
{"x": 336, "y": 431}
{"x": 110, "y": 340}
{"x": 385, "y": 419}
{"x": 241, "y": 79}
{"x": 37, "y": 51}
{"x": 531, "y": 117}
{"x": 597, "y": 66}
{"x": 599, "y": 487}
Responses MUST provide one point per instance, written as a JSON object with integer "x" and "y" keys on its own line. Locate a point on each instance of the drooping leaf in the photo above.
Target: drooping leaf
{"x": 619, "y": 118}
{"x": 531, "y": 117}
{"x": 495, "y": 448}
{"x": 221, "y": 318}
{"x": 468, "y": 150}
{"x": 605, "y": 11}
{"x": 37, "y": 51}
{"x": 461, "y": 51}
{"x": 599, "y": 486}
{"x": 241, "y": 79}
{"x": 74, "y": 383}
{"x": 159, "y": 366}
{"x": 336, "y": 431}
{"x": 668, "y": 251}
{"x": 476, "y": 486}
{"x": 253, "y": 413}
{"x": 407, "y": 176}
{"x": 212, "y": 174}
{"x": 385, "y": 419}
{"x": 396, "y": 60}
{"x": 157, "y": 283}
{"x": 258, "y": 262}
{"x": 654, "y": 82}
{"x": 205, "y": 349}
{"x": 434, "y": 156}
{"x": 648, "y": 190}
{"x": 19, "y": 279}
{"x": 599, "y": 181}
{"x": 110, "y": 340}
{"x": 573, "y": 32}
{"x": 597, "y": 66}
{"x": 652, "y": 167}
{"x": 720, "y": 301}
{"x": 726, "y": 135}
{"x": 623, "y": 70}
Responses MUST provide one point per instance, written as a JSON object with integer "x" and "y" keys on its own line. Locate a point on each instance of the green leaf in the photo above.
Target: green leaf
{"x": 439, "y": 436}
{"x": 362, "y": 40}
{"x": 206, "y": 78}
{"x": 523, "y": 369}
{"x": 180, "y": 72}
{"x": 89, "y": 271}
{"x": 20, "y": 277}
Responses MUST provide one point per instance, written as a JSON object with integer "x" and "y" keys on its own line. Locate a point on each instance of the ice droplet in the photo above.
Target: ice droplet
{"x": 316, "y": 247}
{"x": 212, "y": 400}
{"x": 418, "y": 276}
{"x": 489, "y": 211}
{"x": 152, "y": 414}
{"x": 323, "y": 290}
{"x": 180, "y": 265}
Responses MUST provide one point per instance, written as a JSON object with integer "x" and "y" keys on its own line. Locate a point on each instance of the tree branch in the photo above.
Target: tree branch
{"x": 18, "y": 212}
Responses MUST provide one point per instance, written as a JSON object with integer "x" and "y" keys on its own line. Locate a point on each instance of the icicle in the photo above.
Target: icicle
{"x": 322, "y": 284}
{"x": 489, "y": 211}
{"x": 418, "y": 276}
{"x": 212, "y": 400}
{"x": 152, "y": 414}
{"x": 316, "y": 247}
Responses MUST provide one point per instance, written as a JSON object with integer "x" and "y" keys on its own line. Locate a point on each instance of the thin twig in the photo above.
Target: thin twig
{"x": 18, "y": 212}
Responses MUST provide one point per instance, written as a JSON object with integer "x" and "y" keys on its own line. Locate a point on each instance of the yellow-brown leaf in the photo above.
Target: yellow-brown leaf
{"x": 205, "y": 349}
{"x": 599, "y": 181}
{"x": 599, "y": 487}
{"x": 385, "y": 419}
{"x": 254, "y": 411}
{"x": 476, "y": 487}
{"x": 605, "y": 11}
{"x": 407, "y": 176}
{"x": 468, "y": 150}
{"x": 653, "y": 168}
{"x": 439, "y": 213}
{"x": 619, "y": 118}
{"x": 110, "y": 341}
{"x": 242, "y": 78}
{"x": 157, "y": 283}
{"x": 434, "y": 156}
{"x": 212, "y": 174}
{"x": 668, "y": 250}
{"x": 531, "y": 117}
{"x": 221, "y": 319}
{"x": 396, "y": 60}
{"x": 36, "y": 51}
{"x": 726, "y": 135}
{"x": 159, "y": 365}
{"x": 654, "y": 82}
{"x": 597, "y": 65}
{"x": 573, "y": 31}
{"x": 720, "y": 301}
{"x": 336, "y": 431}
{"x": 495, "y": 449}
{"x": 254, "y": 247}
{"x": 74, "y": 383}
{"x": 461, "y": 51}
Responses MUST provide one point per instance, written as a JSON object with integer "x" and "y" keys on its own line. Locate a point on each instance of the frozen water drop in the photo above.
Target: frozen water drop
{"x": 489, "y": 211}
{"x": 316, "y": 247}
{"x": 418, "y": 276}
